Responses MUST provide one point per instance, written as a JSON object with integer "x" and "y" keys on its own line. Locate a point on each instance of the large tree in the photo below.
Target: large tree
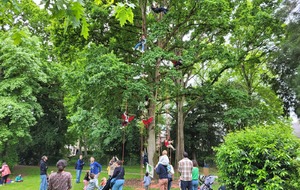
{"x": 21, "y": 76}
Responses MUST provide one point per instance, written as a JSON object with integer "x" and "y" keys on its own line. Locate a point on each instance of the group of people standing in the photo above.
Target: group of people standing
{"x": 56, "y": 180}
{"x": 189, "y": 173}
{"x": 188, "y": 169}
{"x": 63, "y": 180}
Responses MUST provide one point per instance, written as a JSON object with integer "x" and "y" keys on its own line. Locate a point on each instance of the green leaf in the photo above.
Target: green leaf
{"x": 18, "y": 37}
{"x": 84, "y": 29}
{"x": 98, "y": 2}
{"x": 123, "y": 14}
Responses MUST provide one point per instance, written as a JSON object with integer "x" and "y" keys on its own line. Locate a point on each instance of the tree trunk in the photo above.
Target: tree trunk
{"x": 151, "y": 133}
{"x": 85, "y": 146}
{"x": 180, "y": 129}
{"x": 152, "y": 108}
{"x": 143, "y": 5}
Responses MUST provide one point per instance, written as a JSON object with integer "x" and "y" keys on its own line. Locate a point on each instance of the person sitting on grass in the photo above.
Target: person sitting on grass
{"x": 19, "y": 178}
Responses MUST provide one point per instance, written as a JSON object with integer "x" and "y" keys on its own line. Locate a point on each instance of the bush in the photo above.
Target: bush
{"x": 260, "y": 158}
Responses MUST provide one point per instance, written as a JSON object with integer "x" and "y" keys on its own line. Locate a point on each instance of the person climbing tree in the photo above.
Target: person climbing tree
{"x": 168, "y": 143}
{"x": 177, "y": 63}
{"x": 126, "y": 119}
{"x": 157, "y": 9}
{"x": 141, "y": 43}
{"x": 147, "y": 122}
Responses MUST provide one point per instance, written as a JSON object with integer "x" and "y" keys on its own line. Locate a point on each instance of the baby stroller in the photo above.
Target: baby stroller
{"x": 207, "y": 182}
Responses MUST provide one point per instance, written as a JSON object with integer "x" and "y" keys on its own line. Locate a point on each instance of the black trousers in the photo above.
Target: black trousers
{"x": 4, "y": 179}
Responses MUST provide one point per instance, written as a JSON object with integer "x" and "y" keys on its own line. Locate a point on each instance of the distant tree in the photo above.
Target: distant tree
{"x": 21, "y": 77}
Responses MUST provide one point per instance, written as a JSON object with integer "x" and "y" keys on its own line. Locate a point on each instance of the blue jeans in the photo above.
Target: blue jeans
{"x": 186, "y": 185}
{"x": 78, "y": 174}
{"x": 118, "y": 184}
{"x": 44, "y": 183}
{"x": 138, "y": 45}
{"x": 169, "y": 184}
{"x": 195, "y": 184}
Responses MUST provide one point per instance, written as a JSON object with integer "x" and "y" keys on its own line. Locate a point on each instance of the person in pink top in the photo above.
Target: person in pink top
{"x": 5, "y": 172}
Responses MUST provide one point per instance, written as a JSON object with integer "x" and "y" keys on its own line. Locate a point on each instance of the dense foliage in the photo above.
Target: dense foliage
{"x": 68, "y": 73}
{"x": 264, "y": 157}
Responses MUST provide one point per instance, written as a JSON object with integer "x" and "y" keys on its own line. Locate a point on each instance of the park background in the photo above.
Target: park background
{"x": 68, "y": 72}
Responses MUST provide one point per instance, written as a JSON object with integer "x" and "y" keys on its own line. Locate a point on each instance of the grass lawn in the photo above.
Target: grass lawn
{"x": 133, "y": 178}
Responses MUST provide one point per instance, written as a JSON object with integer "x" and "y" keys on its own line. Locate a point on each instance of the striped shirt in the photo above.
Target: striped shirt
{"x": 185, "y": 167}
{"x": 60, "y": 181}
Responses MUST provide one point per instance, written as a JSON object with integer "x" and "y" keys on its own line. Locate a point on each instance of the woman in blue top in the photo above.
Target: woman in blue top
{"x": 95, "y": 167}
{"x": 118, "y": 174}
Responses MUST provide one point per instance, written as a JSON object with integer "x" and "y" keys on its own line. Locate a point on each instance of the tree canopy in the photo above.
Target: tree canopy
{"x": 68, "y": 71}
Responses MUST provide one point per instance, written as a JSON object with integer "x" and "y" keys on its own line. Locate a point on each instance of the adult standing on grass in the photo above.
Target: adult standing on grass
{"x": 43, "y": 173}
{"x": 79, "y": 167}
{"x": 162, "y": 172}
{"x": 195, "y": 175}
{"x": 118, "y": 176}
{"x": 60, "y": 180}
{"x": 95, "y": 168}
{"x": 185, "y": 167}
{"x": 112, "y": 165}
{"x": 5, "y": 172}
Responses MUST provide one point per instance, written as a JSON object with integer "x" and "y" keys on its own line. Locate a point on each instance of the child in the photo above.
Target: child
{"x": 93, "y": 183}
{"x": 147, "y": 181}
{"x": 103, "y": 182}
{"x": 142, "y": 43}
{"x": 168, "y": 144}
{"x": 86, "y": 179}
{"x": 19, "y": 178}
{"x": 164, "y": 159}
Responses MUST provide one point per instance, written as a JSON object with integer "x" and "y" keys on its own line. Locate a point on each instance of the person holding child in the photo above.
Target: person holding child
{"x": 162, "y": 169}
